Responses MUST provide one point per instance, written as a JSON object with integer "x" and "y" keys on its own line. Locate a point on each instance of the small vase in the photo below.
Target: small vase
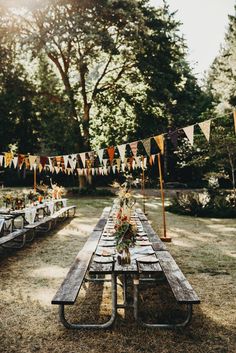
{"x": 124, "y": 257}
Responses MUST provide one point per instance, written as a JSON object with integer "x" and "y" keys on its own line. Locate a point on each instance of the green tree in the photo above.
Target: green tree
{"x": 222, "y": 74}
{"x": 115, "y": 59}
{"x": 18, "y": 122}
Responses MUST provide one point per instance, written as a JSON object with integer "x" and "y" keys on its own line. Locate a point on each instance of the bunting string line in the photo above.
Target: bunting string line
{"x": 104, "y": 160}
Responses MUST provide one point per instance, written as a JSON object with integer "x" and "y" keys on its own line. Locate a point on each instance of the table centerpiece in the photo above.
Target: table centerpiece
{"x": 125, "y": 230}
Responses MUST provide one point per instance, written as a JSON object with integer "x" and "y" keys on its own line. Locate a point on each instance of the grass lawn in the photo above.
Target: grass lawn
{"x": 204, "y": 248}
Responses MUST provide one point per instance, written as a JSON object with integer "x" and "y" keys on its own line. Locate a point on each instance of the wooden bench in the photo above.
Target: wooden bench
{"x": 179, "y": 285}
{"x": 10, "y": 240}
{"x": 69, "y": 289}
{"x": 63, "y": 213}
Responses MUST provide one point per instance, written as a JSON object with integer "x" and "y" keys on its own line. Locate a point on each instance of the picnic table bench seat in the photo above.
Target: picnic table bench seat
{"x": 181, "y": 288}
{"x": 63, "y": 212}
{"x": 49, "y": 219}
{"x": 69, "y": 289}
{"x": 15, "y": 239}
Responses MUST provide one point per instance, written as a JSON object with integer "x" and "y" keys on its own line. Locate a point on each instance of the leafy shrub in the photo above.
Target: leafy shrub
{"x": 211, "y": 203}
{"x": 89, "y": 192}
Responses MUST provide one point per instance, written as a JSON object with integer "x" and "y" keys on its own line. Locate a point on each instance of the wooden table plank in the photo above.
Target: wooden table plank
{"x": 127, "y": 269}
{"x": 101, "y": 268}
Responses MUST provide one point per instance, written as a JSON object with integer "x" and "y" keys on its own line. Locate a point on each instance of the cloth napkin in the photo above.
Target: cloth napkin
{"x": 51, "y": 207}
{"x": 30, "y": 214}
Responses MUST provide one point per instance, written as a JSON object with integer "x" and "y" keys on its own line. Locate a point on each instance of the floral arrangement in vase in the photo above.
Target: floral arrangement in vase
{"x": 125, "y": 230}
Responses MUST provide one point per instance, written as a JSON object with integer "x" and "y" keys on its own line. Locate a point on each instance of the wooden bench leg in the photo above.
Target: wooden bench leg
{"x": 105, "y": 325}
{"x": 157, "y": 325}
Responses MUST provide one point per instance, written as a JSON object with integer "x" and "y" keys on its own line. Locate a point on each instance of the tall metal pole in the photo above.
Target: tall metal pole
{"x": 164, "y": 238}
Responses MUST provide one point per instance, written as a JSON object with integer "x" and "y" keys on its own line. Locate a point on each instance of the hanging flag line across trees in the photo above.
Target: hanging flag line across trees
{"x": 105, "y": 160}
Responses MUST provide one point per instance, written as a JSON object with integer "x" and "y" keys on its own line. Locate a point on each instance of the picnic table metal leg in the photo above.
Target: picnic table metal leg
{"x": 93, "y": 326}
{"x": 157, "y": 325}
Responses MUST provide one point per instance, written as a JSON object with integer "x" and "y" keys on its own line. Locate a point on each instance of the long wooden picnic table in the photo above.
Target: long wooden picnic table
{"x": 149, "y": 257}
{"x": 20, "y": 226}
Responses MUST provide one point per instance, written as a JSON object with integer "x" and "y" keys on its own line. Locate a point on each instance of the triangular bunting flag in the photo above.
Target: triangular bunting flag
{"x": 32, "y": 160}
{"x": 130, "y": 164}
{"x": 72, "y": 160}
{"x": 100, "y": 170}
{"x": 41, "y": 167}
{"x": 122, "y": 149}
{"x": 80, "y": 171}
{"x": 206, "y": 128}
{"x": 21, "y": 159}
{"x": 189, "y": 130}
{"x": 118, "y": 161}
{"x": 58, "y": 160}
{"x": 57, "y": 169}
{"x": 8, "y": 156}
{"x": 66, "y": 160}
{"x": 111, "y": 153}
{"x": 123, "y": 167}
{"x": 134, "y": 164}
{"x": 152, "y": 159}
{"x": 83, "y": 158}
{"x": 1, "y": 160}
{"x": 100, "y": 155}
{"x": 114, "y": 169}
{"x": 134, "y": 147}
{"x": 138, "y": 161}
{"x": 27, "y": 164}
{"x": 147, "y": 145}
{"x": 44, "y": 161}
{"x": 105, "y": 161}
{"x": 15, "y": 161}
{"x": 160, "y": 142}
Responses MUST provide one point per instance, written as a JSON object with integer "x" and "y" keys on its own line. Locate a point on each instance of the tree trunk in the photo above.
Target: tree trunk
{"x": 82, "y": 182}
{"x": 233, "y": 176}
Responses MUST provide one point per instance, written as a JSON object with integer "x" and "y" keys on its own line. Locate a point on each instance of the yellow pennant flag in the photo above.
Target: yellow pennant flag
{"x": 8, "y": 156}
{"x": 160, "y": 142}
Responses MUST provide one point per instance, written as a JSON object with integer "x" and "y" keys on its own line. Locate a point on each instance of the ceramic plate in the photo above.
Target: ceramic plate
{"x": 147, "y": 259}
{"x": 105, "y": 251}
{"x": 103, "y": 259}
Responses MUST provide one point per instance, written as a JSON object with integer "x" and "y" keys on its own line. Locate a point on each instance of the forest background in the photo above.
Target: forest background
{"x": 79, "y": 76}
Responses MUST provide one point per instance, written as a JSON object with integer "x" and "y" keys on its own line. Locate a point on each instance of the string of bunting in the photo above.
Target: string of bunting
{"x": 132, "y": 155}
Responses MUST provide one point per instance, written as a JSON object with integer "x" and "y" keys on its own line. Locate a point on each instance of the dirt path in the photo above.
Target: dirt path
{"x": 204, "y": 248}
